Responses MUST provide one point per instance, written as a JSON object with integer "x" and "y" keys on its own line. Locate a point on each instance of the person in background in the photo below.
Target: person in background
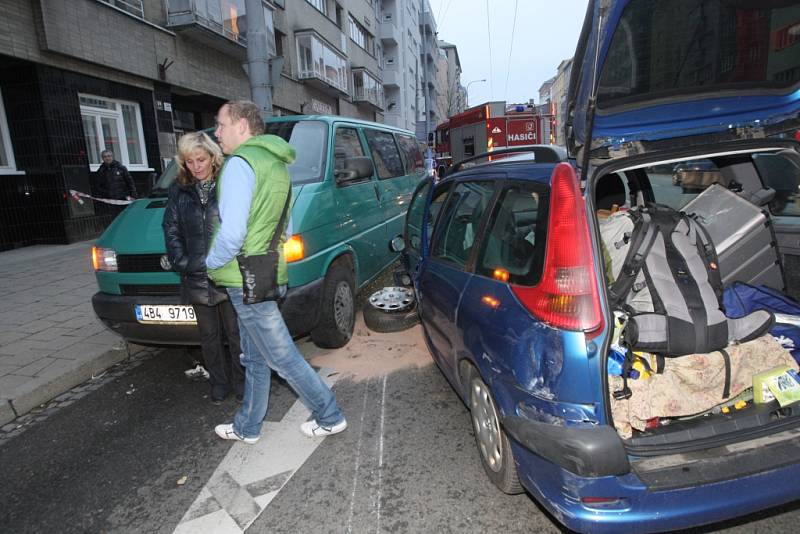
{"x": 254, "y": 187}
{"x": 114, "y": 182}
{"x": 189, "y": 218}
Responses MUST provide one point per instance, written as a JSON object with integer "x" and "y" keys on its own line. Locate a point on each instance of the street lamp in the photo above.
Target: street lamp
{"x": 467, "y": 89}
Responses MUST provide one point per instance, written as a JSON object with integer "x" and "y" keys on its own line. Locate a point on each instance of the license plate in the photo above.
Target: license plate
{"x": 177, "y": 314}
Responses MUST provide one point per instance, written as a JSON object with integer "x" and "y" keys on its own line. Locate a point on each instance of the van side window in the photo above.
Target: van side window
{"x": 515, "y": 239}
{"x": 346, "y": 145}
{"x": 411, "y": 154}
{"x": 384, "y": 153}
{"x": 458, "y": 230}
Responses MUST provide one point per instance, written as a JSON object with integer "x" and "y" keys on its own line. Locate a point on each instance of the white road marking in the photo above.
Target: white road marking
{"x": 250, "y": 476}
{"x": 357, "y": 460}
{"x": 380, "y": 454}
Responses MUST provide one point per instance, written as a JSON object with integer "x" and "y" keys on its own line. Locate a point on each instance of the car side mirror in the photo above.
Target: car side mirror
{"x": 397, "y": 244}
{"x": 356, "y": 168}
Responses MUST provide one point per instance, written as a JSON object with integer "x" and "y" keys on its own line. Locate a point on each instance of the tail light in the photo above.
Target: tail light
{"x": 294, "y": 249}
{"x": 567, "y": 296}
{"x": 104, "y": 259}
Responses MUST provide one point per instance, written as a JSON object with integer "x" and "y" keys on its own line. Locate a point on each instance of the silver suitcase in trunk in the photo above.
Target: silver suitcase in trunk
{"x": 743, "y": 235}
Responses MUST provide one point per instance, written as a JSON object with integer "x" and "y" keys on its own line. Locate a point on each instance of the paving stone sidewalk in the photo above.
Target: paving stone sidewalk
{"x": 50, "y": 338}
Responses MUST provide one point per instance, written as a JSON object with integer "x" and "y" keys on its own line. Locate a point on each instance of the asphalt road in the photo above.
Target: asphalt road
{"x": 112, "y": 461}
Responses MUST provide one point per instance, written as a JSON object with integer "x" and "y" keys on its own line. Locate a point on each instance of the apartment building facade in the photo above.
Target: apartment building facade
{"x": 452, "y": 96}
{"x": 401, "y": 72}
{"x": 429, "y": 114}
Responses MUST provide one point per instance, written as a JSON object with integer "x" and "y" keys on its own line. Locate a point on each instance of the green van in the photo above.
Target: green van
{"x": 351, "y": 183}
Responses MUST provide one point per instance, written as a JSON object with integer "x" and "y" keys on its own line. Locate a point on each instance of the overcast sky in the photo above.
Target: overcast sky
{"x": 545, "y": 33}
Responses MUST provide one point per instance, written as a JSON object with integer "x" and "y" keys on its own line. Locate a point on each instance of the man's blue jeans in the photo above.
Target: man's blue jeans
{"x": 266, "y": 344}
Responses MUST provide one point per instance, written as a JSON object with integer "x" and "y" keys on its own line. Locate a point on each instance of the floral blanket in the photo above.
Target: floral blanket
{"x": 693, "y": 384}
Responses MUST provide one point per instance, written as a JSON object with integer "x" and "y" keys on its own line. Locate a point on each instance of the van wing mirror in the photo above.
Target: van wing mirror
{"x": 355, "y": 168}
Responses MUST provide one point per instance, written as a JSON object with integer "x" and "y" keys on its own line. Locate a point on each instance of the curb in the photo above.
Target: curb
{"x": 6, "y": 412}
{"x": 36, "y": 393}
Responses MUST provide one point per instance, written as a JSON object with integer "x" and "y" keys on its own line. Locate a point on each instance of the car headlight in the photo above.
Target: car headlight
{"x": 104, "y": 259}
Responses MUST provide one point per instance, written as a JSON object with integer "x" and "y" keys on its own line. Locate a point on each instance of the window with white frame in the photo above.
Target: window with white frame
{"x": 320, "y": 5}
{"x": 114, "y": 125}
{"x": 317, "y": 59}
{"x": 360, "y": 36}
{"x": 134, "y": 7}
{"x": 367, "y": 88}
{"x": 7, "y": 163}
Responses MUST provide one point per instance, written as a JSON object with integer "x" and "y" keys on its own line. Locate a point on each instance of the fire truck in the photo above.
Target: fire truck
{"x": 488, "y": 127}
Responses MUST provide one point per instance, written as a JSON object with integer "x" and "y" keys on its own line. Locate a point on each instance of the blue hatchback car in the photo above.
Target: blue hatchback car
{"x": 507, "y": 267}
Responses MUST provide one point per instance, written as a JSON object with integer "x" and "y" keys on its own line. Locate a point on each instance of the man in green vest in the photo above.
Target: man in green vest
{"x": 252, "y": 191}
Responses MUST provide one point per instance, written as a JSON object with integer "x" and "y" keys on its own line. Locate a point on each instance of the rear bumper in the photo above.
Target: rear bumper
{"x": 640, "y": 508}
{"x": 300, "y": 309}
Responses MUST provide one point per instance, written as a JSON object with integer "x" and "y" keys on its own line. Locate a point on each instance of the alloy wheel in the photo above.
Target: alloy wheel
{"x": 486, "y": 424}
{"x": 343, "y": 307}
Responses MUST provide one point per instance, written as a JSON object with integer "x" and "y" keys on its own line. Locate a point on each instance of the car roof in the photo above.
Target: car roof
{"x": 520, "y": 167}
{"x": 333, "y": 119}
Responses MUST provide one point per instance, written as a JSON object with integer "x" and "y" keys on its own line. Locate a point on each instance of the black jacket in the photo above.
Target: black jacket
{"x": 114, "y": 181}
{"x": 188, "y": 227}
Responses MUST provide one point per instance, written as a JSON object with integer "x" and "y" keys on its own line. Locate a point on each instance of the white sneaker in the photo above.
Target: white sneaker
{"x": 226, "y": 432}
{"x": 313, "y": 430}
{"x": 198, "y": 373}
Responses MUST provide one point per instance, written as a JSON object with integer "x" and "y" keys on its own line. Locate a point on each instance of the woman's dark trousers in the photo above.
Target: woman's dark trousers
{"x": 216, "y": 323}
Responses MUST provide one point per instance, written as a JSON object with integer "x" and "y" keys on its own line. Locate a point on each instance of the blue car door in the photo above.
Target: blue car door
{"x": 420, "y": 221}
{"x": 444, "y": 275}
{"x": 511, "y": 251}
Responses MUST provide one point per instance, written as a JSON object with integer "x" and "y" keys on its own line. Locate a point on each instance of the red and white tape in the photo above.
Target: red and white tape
{"x": 77, "y": 197}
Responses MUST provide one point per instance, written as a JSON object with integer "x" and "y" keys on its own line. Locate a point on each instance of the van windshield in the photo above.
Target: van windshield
{"x": 165, "y": 180}
{"x": 661, "y": 49}
{"x": 309, "y": 139}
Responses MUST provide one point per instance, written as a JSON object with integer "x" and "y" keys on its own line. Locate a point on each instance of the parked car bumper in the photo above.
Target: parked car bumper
{"x": 300, "y": 309}
{"x": 640, "y": 508}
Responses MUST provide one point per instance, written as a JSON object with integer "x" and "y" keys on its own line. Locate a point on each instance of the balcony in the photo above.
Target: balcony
{"x": 219, "y": 24}
{"x": 427, "y": 22}
{"x": 391, "y": 78}
{"x": 389, "y": 33}
{"x": 320, "y": 64}
{"x": 367, "y": 89}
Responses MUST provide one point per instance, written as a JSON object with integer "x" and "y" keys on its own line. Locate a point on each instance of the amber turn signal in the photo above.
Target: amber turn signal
{"x": 293, "y": 249}
{"x": 500, "y": 274}
{"x": 490, "y": 301}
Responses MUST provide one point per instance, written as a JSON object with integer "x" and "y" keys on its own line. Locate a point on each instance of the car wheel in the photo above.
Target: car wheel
{"x": 337, "y": 314}
{"x": 495, "y": 449}
{"x": 391, "y": 309}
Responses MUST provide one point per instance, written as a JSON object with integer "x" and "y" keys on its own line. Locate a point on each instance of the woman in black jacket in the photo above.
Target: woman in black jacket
{"x": 189, "y": 221}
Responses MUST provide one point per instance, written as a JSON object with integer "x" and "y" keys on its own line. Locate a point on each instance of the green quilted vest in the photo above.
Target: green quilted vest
{"x": 268, "y": 156}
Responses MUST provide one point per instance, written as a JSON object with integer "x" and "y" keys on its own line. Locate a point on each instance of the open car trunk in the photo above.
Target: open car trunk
{"x": 697, "y": 447}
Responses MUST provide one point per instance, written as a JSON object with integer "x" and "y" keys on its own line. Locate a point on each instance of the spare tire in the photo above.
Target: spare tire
{"x": 391, "y": 309}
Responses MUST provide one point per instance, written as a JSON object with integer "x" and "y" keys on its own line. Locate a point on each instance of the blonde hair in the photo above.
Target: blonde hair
{"x": 187, "y": 144}
{"x": 247, "y": 110}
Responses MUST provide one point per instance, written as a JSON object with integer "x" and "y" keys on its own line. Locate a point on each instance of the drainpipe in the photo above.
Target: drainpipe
{"x": 260, "y": 47}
